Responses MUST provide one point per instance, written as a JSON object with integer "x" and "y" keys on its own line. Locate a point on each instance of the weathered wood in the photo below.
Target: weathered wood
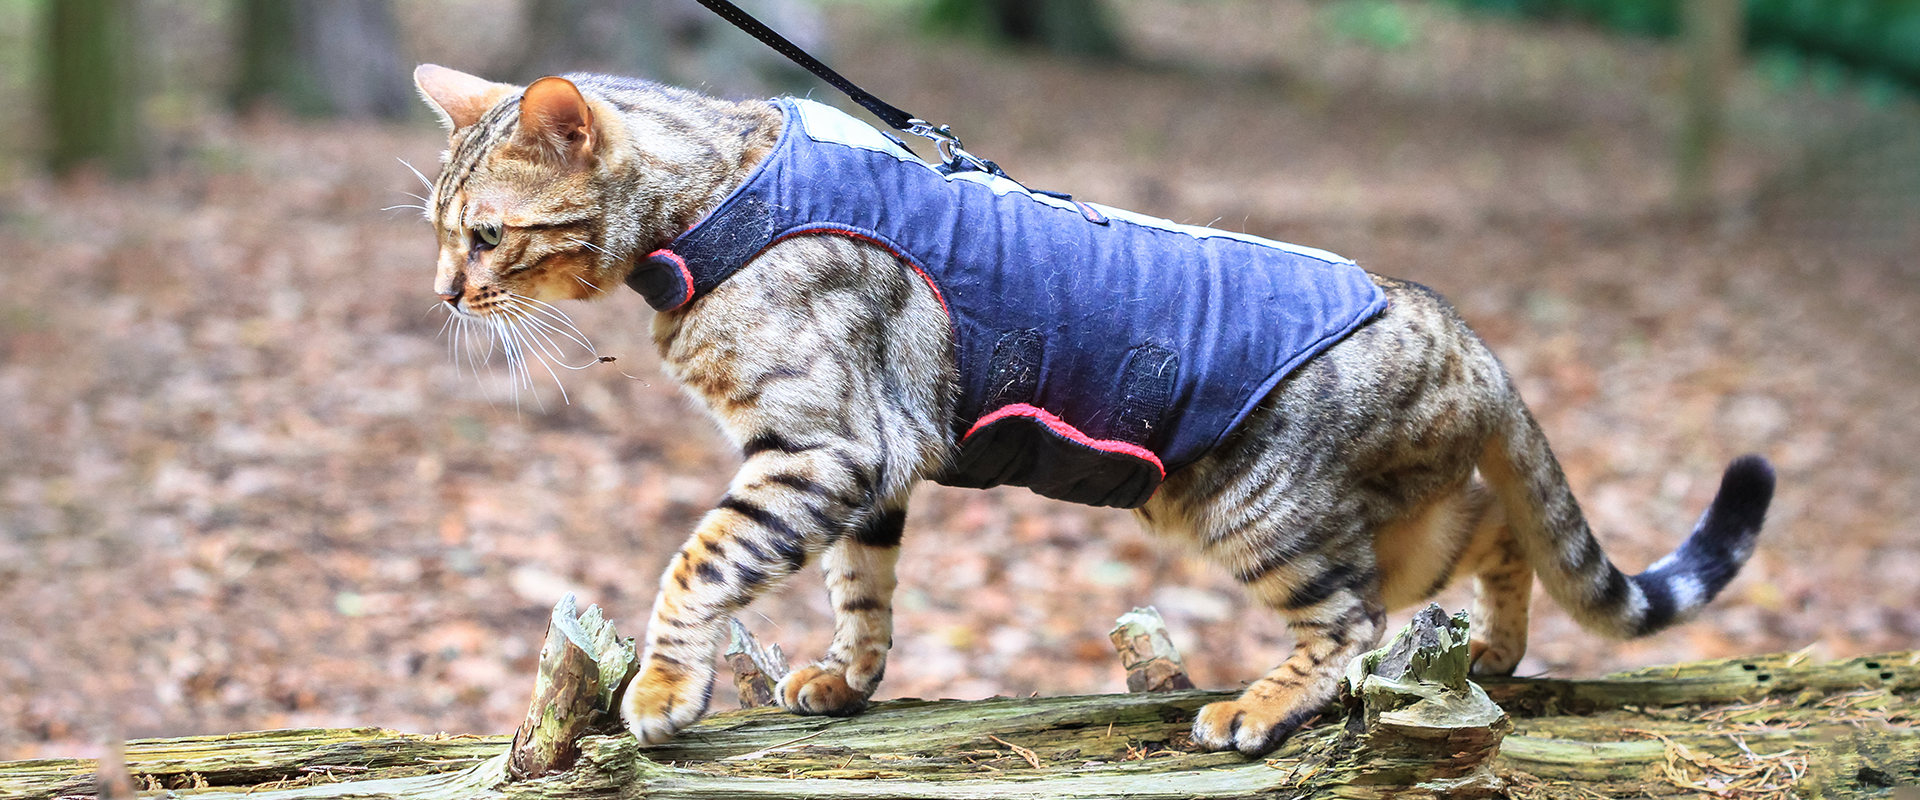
{"x": 259, "y": 758}
{"x": 1729, "y": 680}
{"x": 1415, "y": 719}
{"x": 1087, "y": 746}
{"x": 583, "y": 665}
{"x": 755, "y": 668}
{"x": 1147, "y": 652}
{"x": 1764, "y": 725}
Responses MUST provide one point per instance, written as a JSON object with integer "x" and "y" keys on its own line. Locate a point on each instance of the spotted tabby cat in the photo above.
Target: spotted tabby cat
{"x": 1396, "y": 460}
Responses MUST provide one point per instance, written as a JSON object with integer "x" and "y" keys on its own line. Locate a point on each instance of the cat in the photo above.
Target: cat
{"x": 1391, "y": 460}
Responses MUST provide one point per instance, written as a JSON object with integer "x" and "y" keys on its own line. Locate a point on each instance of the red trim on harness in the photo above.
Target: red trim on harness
{"x": 851, "y": 233}
{"x": 685, "y": 273}
{"x": 1060, "y": 426}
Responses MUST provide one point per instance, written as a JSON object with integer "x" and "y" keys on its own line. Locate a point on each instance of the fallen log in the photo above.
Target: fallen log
{"x": 1770, "y": 726}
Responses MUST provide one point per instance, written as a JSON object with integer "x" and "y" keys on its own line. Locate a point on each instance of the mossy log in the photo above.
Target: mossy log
{"x": 1752, "y": 728}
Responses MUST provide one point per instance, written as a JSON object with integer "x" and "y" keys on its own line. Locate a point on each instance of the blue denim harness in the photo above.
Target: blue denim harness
{"x": 1098, "y": 349}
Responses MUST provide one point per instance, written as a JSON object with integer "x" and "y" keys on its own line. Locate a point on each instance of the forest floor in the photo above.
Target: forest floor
{"x": 243, "y": 485}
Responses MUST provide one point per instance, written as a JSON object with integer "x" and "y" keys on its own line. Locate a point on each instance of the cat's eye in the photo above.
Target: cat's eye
{"x": 488, "y": 235}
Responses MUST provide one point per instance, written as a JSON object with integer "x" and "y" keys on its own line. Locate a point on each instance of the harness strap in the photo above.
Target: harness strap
{"x": 956, "y": 159}
{"x": 899, "y": 120}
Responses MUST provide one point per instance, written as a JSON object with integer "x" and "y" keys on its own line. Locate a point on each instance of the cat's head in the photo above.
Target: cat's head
{"x": 519, "y": 208}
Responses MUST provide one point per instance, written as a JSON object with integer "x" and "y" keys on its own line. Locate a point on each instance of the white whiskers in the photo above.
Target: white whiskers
{"x": 529, "y": 333}
{"x": 589, "y": 245}
{"x": 416, "y": 173}
{"x": 425, "y": 204}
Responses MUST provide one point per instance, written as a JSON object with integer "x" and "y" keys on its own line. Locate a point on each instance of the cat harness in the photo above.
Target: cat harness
{"x": 1098, "y": 350}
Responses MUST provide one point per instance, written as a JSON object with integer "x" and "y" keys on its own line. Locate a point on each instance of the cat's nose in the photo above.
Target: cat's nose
{"x": 450, "y": 288}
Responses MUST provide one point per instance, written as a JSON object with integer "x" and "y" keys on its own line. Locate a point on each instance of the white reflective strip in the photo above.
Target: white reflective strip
{"x": 1203, "y": 233}
{"x": 1005, "y": 186}
{"x": 829, "y": 125}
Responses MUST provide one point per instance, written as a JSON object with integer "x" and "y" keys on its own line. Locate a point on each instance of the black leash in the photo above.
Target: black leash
{"x": 956, "y": 158}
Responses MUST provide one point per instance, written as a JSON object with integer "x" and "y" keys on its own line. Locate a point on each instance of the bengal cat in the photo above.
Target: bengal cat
{"x": 1395, "y": 459}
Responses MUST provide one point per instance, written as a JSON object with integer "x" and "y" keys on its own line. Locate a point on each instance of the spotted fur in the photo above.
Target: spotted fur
{"x": 1394, "y": 462}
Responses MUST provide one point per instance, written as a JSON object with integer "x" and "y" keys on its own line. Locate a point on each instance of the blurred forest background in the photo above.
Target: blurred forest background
{"x": 244, "y": 485}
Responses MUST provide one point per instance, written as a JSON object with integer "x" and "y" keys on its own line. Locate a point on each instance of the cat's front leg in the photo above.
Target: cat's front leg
{"x": 860, "y": 582}
{"x": 787, "y": 504}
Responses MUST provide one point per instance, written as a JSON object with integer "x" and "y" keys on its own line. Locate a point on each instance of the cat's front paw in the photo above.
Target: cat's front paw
{"x": 655, "y": 707}
{"x": 814, "y": 691}
{"x": 1254, "y": 729}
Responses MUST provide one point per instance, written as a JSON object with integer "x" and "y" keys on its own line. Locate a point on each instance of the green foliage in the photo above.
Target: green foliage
{"x": 1380, "y": 23}
{"x": 1074, "y": 27}
{"x": 1865, "y": 35}
{"x": 1868, "y": 37}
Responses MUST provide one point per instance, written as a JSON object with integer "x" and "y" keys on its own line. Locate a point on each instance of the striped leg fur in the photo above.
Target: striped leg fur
{"x": 1502, "y": 592}
{"x": 768, "y": 526}
{"x": 1334, "y": 615}
{"x": 839, "y": 406}
{"x": 860, "y": 582}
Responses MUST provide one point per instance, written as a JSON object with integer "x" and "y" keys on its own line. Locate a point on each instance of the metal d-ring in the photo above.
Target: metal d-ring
{"x": 948, "y": 145}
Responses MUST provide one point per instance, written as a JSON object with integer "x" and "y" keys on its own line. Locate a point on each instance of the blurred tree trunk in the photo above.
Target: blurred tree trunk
{"x": 674, "y": 41}
{"x": 1712, "y": 30}
{"x": 320, "y": 57}
{"x": 1074, "y": 27}
{"x": 90, "y": 84}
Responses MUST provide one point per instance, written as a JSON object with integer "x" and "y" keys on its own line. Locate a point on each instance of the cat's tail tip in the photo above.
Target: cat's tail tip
{"x": 1678, "y": 585}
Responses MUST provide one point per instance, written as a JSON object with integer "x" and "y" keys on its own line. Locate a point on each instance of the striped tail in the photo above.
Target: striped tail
{"x": 1551, "y": 532}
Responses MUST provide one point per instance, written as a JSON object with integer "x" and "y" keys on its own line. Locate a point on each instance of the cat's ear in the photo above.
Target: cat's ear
{"x": 458, "y": 98}
{"x": 556, "y": 120}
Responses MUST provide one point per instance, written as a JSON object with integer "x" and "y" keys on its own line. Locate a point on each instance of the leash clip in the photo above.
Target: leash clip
{"x": 954, "y": 157}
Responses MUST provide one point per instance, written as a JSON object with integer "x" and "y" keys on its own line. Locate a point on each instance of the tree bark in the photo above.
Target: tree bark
{"x": 90, "y": 86}
{"x": 1712, "y": 33}
{"x": 331, "y": 58}
{"x": 583, "y": 667}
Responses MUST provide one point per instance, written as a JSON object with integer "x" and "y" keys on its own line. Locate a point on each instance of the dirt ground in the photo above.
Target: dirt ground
{"x": 243, "y": 485}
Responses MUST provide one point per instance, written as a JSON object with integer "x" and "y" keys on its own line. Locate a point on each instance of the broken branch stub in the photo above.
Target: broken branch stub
{"x": 1413, "y": 716}
{"x": 1147, "y": 653}
{"x": 583, "y": 667}
{"x": 755, "y": 668}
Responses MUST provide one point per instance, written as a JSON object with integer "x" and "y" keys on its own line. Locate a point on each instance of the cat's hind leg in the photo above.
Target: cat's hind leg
{"x": 860, "y": 583}
{"x": 1462, "y": 532}
{"x": 1502, "y": 592}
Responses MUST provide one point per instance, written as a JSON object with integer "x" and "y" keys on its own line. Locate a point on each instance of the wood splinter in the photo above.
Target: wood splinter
{"x": 1147, "y": 653}
{"x": 755, "y": 668}
{"x": 583, "y": 667}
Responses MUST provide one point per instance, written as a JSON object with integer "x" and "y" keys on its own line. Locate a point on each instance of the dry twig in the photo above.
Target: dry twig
{"x": 1032, "y": 759}
{"x": 1771, "y": 776}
